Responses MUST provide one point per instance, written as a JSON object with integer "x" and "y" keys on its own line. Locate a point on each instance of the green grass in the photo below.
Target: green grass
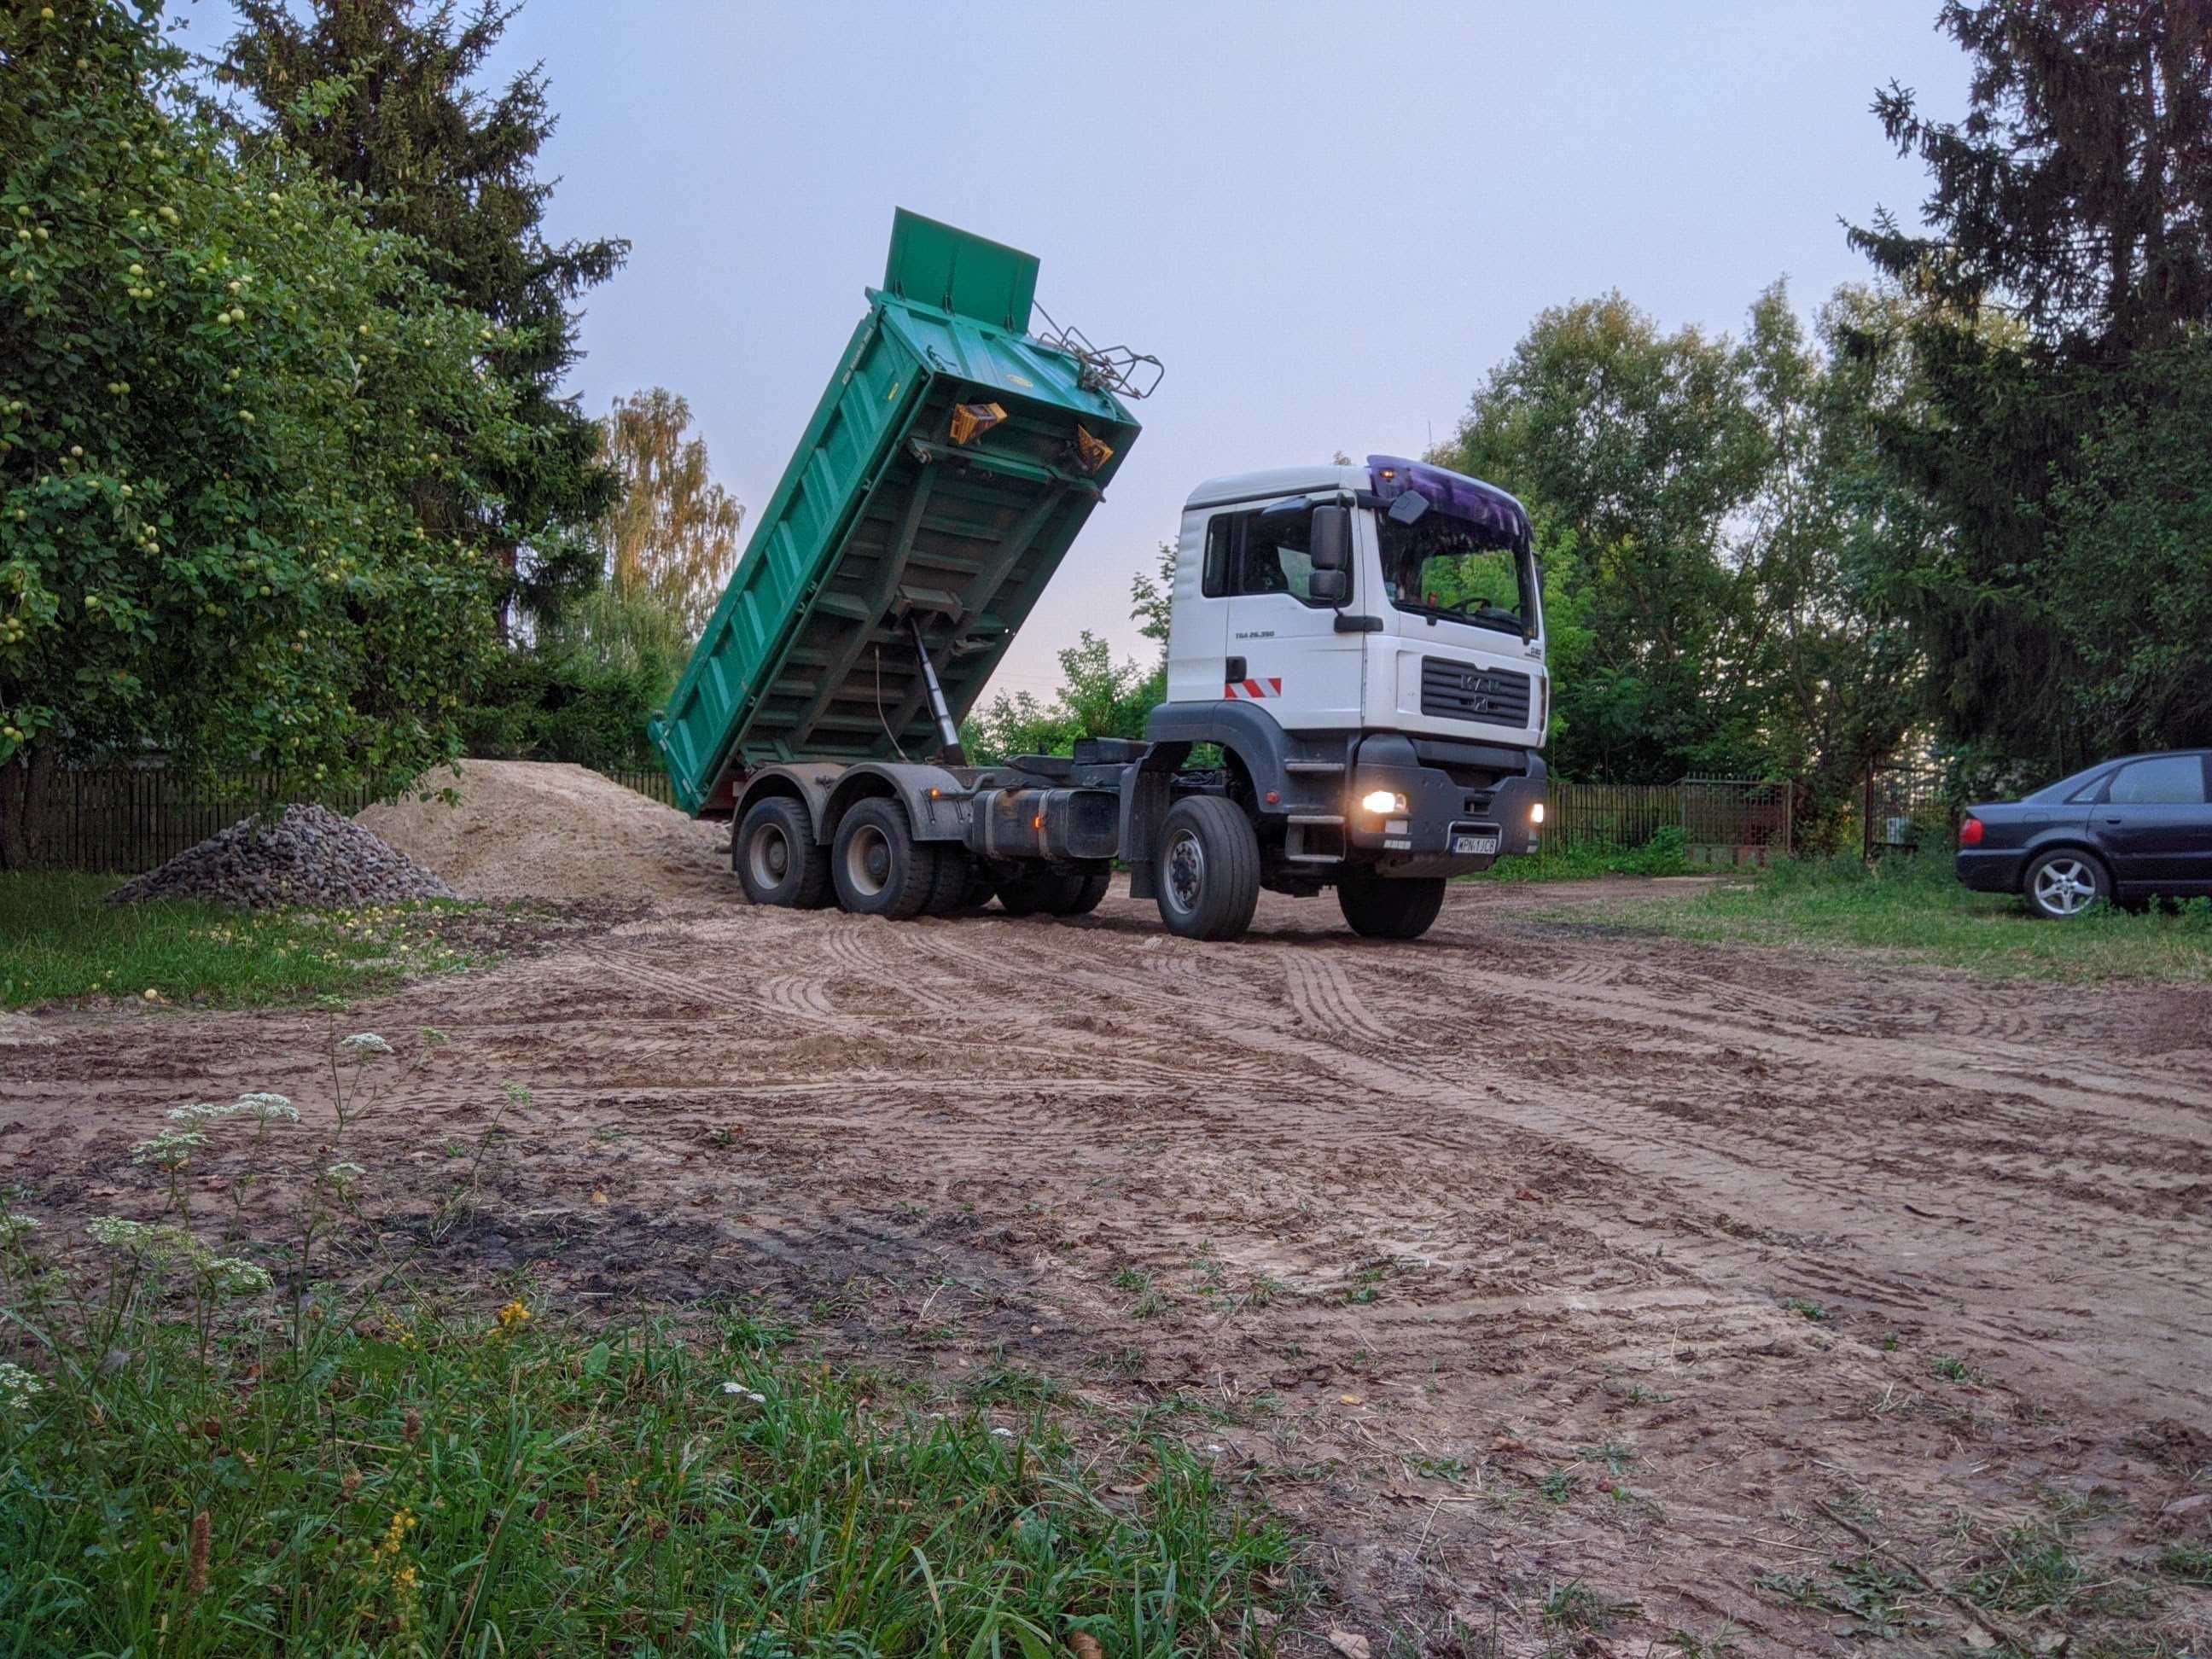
{"x": 434, "y": 1485}
{"x": 1914, "y": 907}
{"x": 1661, "y": 855}
{"x": 60, "y": 939}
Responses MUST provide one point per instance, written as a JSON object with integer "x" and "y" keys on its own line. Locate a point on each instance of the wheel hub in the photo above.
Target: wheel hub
{"x": 1186, "y": 863}
{"x": 2065, "y": 887}
{"x": 771, "y": 856}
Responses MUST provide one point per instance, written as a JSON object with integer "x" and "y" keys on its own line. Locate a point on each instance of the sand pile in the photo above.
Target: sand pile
{"x": 309, "y": 856}
{"x": 536, "y": 829}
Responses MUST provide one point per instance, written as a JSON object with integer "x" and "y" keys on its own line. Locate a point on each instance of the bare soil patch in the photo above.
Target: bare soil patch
{"x": 1716, "y": 1281}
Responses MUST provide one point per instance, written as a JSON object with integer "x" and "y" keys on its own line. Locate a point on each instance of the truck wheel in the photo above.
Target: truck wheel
{"x": 1377, "y": 909}
{"x": 879, "y": 868}
{"x": 1032, "y": 892}
{"x": 1209, "y": 872}
{"x": 1089, "y": 890}
{"x": 777, "y": 859}
{"x": 954, "y": 881}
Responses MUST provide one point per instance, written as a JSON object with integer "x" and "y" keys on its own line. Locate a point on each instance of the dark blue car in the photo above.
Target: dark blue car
{"x": 2124, "y": 829}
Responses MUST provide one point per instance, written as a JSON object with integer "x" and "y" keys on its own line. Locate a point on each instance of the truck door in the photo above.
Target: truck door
{"x": 1282, "y": 651}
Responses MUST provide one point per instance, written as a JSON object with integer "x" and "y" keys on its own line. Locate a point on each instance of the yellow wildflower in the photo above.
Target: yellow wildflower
{"x": 513, "y": 1317}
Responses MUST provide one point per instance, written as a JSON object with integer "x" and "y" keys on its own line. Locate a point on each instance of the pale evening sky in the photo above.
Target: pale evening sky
{"x": 1328, "y": 221}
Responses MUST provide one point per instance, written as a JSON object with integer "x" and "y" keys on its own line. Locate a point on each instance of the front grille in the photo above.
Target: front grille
{"x": 1469, "y": 691}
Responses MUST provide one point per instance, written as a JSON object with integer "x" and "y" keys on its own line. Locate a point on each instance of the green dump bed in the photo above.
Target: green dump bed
{"x": 883, "y": 513}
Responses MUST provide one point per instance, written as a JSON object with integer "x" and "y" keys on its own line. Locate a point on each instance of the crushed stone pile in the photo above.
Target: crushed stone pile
{"x": 309, "y": 856}
{"x": 544, "y": 829}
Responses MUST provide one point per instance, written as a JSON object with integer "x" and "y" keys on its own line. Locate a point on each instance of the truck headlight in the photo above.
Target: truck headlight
{"x": 1536, "y": 813}
{"x": 1379, "y": 801}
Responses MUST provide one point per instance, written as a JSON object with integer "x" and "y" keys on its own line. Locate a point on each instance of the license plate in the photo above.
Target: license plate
{"x": 1476, "y": 845}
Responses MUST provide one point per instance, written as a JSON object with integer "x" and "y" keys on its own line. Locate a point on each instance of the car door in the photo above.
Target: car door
{"x": 2155, "y": 826}
{"x": 1294, "y": 662}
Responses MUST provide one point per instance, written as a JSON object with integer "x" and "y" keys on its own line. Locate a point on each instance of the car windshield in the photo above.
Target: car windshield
{"x": 1443, "y": 567}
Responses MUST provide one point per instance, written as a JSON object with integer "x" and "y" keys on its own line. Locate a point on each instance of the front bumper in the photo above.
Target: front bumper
{"x": 1440, "y": 809}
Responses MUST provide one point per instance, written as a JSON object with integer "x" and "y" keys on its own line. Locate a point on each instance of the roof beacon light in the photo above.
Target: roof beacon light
{"x": 971, "y": 421}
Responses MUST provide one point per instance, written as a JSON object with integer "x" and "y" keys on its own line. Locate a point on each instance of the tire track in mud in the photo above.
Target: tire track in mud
{"x": 1824, "y": 1180}
{"x": 1321, "y": 995}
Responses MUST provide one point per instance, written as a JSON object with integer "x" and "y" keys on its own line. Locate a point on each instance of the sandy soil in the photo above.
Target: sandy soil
{"x": 1491, "y": 1258}
{"x": 536, "y": 829}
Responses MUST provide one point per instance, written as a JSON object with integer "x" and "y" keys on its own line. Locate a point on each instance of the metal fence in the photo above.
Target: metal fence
{"x": 1608, "y": 814}
{"x": 125, "y": 819}
{"x": 1721, "y": 820}
{"x": 129, "y": 818}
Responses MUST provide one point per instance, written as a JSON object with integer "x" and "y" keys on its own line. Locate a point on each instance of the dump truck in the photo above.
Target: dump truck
{"x": 1357, "y": 695}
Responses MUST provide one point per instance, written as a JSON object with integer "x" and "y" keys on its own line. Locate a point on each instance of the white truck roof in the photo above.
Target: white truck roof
{"x": 1278, "y": 481}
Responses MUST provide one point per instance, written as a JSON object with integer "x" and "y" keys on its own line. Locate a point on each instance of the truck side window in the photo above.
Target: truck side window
{"x": 1261, "y": 553}
{"x": 1220, "y": 554}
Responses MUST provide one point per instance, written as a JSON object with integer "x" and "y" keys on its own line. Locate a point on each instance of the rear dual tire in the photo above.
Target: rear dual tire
{"x": 878, "y": 867}
{"x": 777, "y": 860}
{"x": 1053, "y": 890}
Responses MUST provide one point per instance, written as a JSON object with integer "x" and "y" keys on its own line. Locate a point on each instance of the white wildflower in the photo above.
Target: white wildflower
{"x": 17, "y": 1386}
{"x": 365, "y": 1043}
{"x": 14, "y": 1226}
{"x": 1004, "y": 1434}
{"x": 737, "y": 1388}
{"x": 266, "y": 1109}
{"x": 117, "y": 1233}
{"x": 198, "y": 1112}
{"x": 171, "y": 1149}
{"x": 343, "y": 1176}
{"x": 235, "y": 1276}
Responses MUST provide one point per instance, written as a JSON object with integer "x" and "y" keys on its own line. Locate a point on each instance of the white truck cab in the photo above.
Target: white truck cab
{"x": 1438, "y": 632}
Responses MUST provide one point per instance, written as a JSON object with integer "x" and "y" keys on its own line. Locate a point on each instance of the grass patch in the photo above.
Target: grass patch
{"x": 271, "y": 1444}
{"x": 1915, "y": 908}
{"x": 59, "y": 938}
{"x": 2190, "y": 1563}
{"x": 1576, "y": 1606}
{"x": 1661, "y": 855}
{"x": 443, "y": 1485}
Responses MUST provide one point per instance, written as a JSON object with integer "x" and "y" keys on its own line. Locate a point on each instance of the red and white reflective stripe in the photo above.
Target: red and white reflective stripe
{"x": 1252, "y": 691}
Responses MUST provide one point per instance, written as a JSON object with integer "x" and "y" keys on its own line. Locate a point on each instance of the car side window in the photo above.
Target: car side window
{"x": 2167, "y": 781}
{"x": 1261, "y": 553}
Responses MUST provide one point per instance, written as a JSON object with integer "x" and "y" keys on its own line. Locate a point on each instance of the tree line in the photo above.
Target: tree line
{"x": 289, "y": 478}
{"x": 290, "y": 481}
{"x": 1965, "y": 516}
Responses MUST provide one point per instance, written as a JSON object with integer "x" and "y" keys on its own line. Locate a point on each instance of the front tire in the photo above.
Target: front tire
{"x": 879, "y": 867}
{"x": 777, "y": 860}
{"x": 2066, "y": 883}
{"x": 1209, "y": 869}
{"x": 1377, "y": 909}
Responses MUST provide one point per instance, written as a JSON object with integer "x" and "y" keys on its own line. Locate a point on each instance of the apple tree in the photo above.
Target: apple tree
{"x": 223, "y": 396}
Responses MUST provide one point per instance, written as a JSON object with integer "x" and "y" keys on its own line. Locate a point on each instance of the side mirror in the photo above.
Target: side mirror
{"x": 1332, "y": 538}
{"x": 1328, "y": 587}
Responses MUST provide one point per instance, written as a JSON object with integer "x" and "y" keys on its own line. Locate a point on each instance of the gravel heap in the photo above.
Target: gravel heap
{"x": 311, "y": 857}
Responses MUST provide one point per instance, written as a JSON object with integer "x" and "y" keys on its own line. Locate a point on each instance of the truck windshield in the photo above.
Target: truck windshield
{"x": 1443, "y": 567}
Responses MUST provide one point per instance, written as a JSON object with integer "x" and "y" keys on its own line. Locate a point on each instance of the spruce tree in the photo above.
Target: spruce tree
{"x": 2062, "y": 291}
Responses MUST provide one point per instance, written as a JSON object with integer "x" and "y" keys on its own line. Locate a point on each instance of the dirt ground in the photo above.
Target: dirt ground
{"x": 1762, "y": 1293}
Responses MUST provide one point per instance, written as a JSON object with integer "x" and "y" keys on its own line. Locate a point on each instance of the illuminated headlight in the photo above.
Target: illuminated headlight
{"x": 1382, "y": 800}
{"x": 1536, "y": 813}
